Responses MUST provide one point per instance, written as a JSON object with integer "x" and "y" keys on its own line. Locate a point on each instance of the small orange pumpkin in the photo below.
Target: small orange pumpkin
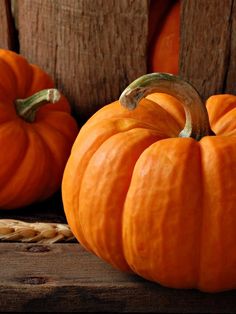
{"x": 164, "y": 36}
{"x": 150, "y": 193}
{"x": 35, "y": 140}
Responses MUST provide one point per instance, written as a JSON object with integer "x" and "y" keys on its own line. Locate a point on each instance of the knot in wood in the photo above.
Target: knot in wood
{"x": 38, "y": 249}
{"x": 34, "y": 280}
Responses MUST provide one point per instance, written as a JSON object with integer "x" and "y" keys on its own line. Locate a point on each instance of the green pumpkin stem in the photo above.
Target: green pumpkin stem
{"x": 27, "y": 108}
{"x": 197, "y": 122}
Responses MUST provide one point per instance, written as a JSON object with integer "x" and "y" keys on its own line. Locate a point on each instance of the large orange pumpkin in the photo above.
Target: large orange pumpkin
{"x": 35, "y": 140}
{"x": 150, "y": 193}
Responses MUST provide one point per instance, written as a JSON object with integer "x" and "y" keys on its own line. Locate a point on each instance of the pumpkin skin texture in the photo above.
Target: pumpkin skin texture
{"x": 148, "y": 201}
{"x": 33, "y": 154}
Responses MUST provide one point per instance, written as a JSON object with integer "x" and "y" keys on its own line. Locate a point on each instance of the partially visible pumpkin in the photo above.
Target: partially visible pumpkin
{"x": 150, "y": 193}
{"x": 164, "y": 36}
{"x": 35, "y": 140}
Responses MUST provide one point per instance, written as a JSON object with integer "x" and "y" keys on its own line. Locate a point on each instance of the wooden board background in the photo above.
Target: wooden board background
{"x": 8, "y": 33}
{"x": 208, "y": 45}
{"x": 93, "y": 49}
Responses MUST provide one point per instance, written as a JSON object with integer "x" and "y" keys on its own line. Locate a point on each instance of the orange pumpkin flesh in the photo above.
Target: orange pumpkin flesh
{"x": 33, "y": 155}
{"x": 148, "y": 201}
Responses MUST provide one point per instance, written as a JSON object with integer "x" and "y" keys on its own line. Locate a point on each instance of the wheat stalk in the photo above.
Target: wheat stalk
{"x": 12, "y": 230}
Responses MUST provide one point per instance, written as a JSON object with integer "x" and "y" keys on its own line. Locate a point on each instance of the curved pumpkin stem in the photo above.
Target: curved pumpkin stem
{"x": 27, "y": 108}
{"x": 197, "y": 122}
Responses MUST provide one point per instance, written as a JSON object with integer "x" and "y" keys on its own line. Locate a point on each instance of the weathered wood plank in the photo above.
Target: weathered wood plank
{"x": 93, "y": 48}
{"x": 8, "y": 38}
{"x": 230, "y": 81}
{"x": 5, "y": 38}
{"x": 207, "y": 50}
{"x": 64, "y": 277}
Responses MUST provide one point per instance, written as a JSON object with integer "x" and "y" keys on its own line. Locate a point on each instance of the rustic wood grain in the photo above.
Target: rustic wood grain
{"x": 5, "y": 38}
{"x": 230, "y": 80}
{"x": 93, "y": 48}
{"x": 208, "y": 45}
{"x": 8, "y": 34}
{"x": 65, "y": 278}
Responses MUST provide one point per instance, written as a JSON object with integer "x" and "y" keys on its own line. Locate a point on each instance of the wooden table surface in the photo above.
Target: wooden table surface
{"x": 63, "y": 277}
